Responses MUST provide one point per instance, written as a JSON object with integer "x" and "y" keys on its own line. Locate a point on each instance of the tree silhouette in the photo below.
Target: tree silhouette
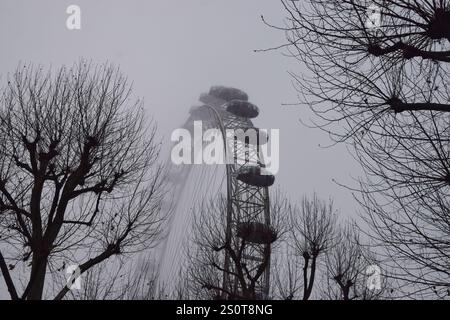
{"x": 377, "y": 77}
{"x": 79, "y": 178}
{"x": 313, "y": 232}
{"x": 206, "y": 254}
{"x": 347, "y": 265}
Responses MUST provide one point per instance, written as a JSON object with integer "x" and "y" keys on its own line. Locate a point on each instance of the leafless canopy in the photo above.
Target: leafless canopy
{"x": 322, "y": 257}
{"x": 349, "y": 264}
{"x": 313, "y": 234}
{"x": 378, "y": 77}
{"x": 206, "y": 256}
{"x": 79, "y": 178}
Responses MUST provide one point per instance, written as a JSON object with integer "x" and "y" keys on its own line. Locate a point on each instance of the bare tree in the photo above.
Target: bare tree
{"x": 79, "y": 178}
{"x": 207, "y": 254}
{"x": 349, "y": 263}
{"x": 313, "y": 232}
{"x": 378, "y": 78}
{"x": 306, "y": 233}
{"x": 287, "y": 281}
{"x": 315, "y": 258}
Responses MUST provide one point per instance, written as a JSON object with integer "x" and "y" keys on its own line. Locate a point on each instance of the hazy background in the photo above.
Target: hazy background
{"x": 175, "y": 50}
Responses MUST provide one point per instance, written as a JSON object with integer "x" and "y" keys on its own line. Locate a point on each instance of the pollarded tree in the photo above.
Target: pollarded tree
{"x": 377, "y": 76}
{"x": 313, "y": 234}
{"x": 349, "y": 264}
{"x": 79, "y": 177}
{"x": 208, "y": 246}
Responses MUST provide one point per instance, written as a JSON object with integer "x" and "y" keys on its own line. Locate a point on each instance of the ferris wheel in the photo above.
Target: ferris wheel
{"x": 245, "y": 182}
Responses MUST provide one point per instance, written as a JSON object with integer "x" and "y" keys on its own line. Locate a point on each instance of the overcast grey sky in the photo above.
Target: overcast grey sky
{"x": 175, "y": 50}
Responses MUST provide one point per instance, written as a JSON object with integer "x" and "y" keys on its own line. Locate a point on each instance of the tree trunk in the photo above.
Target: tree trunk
{"x": 37, "y": 278}
{"x": 306, "y": 257}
